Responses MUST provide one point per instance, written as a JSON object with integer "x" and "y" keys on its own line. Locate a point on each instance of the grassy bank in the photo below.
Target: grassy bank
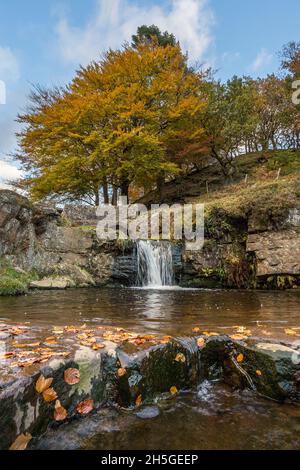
{"x": 13, "y": 281}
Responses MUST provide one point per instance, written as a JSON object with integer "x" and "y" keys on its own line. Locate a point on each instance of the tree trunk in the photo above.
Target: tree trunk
{"x": 97, "y": 198}
{"x": 105, "y": 191}
{"x": 125, "y": 189}
{"x": 114, "y": 197}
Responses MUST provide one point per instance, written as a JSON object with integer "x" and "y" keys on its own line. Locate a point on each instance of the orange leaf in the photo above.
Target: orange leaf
{"x": 180, "y": 357}
{"x": 43, "y": 384}
{"x": 139, "y": 400}
{"x": 238, "y": 337}
{"x": 195, "y": 330}
{"x": 121, "y": 372}
{"x": 72, "y": 376}
{"x": 21, "y": 442}
{"x": 173, "y": 390}
{"x": 60, "y": 412}
{"x": 240, "y": 358}
{"x": 259, "y": 373}
{"x": 201, "y": 342}
{"x": 85, "y": 407}
{"x": 49, "y": 395}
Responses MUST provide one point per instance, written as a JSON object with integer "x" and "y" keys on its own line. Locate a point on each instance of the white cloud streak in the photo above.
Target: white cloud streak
{"x": 115, "y": 21}
{"x": 262, "y": 60}
{"x": 9, "y": 65}
{"x": 8, "y": 173}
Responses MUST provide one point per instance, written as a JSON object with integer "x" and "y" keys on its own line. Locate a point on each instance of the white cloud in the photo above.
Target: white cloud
{"x": 8, "y": 171}
{"x": 115, "y": 21}
{"x": 262, "y": 59}
{"x": 9, "y": 66}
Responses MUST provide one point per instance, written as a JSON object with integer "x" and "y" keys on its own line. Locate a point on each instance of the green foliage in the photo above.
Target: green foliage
{"x": 151, "y": 34}
{"x": 12, "y": 281}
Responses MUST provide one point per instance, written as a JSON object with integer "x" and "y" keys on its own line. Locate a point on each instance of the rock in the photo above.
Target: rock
{"x": 50, "y": 283}
{"x": 148, "y": 412}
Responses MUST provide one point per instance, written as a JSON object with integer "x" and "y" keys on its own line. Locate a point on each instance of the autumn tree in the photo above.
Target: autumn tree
{"x": 123, "y": 120}
{"x": 147, "y": 34}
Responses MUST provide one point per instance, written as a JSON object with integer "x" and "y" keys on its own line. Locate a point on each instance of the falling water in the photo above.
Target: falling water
{"x": 155, "y": 264}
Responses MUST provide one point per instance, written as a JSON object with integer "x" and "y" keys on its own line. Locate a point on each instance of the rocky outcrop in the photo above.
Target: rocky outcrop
{"x": 39, "y": 239}
{"x": 139, "y": 370}
{"x": 246, "y": 253}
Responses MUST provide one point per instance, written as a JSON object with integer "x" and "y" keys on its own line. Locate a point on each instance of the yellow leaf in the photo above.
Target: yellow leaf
{"x": 196, "y": 330}
{"x": 180, "y": 357}
{"x": 173, "y": 390}
{"x": 240, "y": 358}
{"x": 21, "y": 442}
{"x": 43, "y": 384}
{"x": 49, "y": 395}
{"x": 289, "y": 331}
{"x": 238, "y": 337}
{"x": 259, "y": 373}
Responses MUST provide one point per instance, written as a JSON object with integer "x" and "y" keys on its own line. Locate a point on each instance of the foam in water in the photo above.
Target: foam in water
{"x": 155, "y": 264}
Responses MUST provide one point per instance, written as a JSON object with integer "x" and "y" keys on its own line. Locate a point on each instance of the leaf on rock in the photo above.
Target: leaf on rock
{"x": 173, "y": 390}
{"x": 238, "y": 337}
{"x": 180, "y": 357}
{"x": 72, "y": 376}
{"x": 21, "y": 442}
{"x": 43, "y": 384}
{"x": 240, "y": 358}
{"x": 60, "y": 413}
{"x": 201, "y": 342}
{"x": 121, "y": 372}
{"x": 49, "y": 394}
{"x": 98, "y": 346}
{"x": 85, "y": 407}
{"x": 259, "y": 373}
{"x": 139, "y": 400}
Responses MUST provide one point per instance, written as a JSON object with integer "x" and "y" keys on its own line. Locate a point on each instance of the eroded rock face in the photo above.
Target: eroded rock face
{"x": 36, "y": 238}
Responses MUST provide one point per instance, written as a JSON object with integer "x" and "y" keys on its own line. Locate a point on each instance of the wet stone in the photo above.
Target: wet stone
{"x": 149, "y": 412}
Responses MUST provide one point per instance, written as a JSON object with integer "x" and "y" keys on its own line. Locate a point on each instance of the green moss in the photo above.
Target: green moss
{"x": 12, "y": 281}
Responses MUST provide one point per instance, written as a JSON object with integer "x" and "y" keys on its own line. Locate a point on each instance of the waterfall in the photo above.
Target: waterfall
{"x": 155, "y": 264}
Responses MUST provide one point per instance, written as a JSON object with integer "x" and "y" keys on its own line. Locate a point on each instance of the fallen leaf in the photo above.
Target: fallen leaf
{"x": 238, "y": 337}
{"x": 173, "y": 390}
{"x": 180, "y": 357}
{"x": 291, "y": 332}
{"x": 121, "y": 372}
{"x": 49, "y": 394}
{"x": 201, "y": 342}
{"x": 98, "y": 346}
{"x": 195, "y": 330}
{"x": 240, "y": 358}
{"x": 72, "y": 376}
{"x": 259, "y": 373}
{"x": 60, "y": 413}
{"x": 85, "y": 407}
{"x": 43, "y": 384}
{"x": 208, "y": 333}
{"x": 21, "y": 442}
{"x": 266, "y": 333}
{"x": 28, "y": 345}
{"x": 7, "y": 355}
{"x": 139, "y": 400}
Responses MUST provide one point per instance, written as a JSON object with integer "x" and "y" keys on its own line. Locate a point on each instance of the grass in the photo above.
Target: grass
{"x": 12, "y": 281}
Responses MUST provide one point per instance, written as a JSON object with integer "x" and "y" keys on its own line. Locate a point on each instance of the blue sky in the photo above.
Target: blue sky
{"x": 44, "y": 41}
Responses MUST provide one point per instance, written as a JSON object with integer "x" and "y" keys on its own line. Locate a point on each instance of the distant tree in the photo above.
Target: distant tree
{"x": 290, "y": 56}
{"x": 147, "y": 34}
